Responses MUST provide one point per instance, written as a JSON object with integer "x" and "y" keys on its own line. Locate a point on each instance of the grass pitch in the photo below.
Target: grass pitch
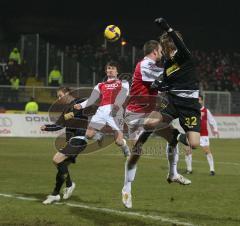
{"x": 28, "y": 175}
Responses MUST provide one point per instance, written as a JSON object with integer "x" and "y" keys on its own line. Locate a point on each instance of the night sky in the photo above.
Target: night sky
{"x": 204, "y": 24}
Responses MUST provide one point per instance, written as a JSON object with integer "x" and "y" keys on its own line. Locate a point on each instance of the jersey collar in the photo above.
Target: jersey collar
{"x": 151, "y": 60}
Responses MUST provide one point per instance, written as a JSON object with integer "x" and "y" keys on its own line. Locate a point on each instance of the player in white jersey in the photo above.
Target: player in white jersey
{"x": 112, "y": 94}
{"x": 206, "y": 118}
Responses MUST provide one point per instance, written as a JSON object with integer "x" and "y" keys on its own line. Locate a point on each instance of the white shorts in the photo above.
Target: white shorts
{"x": 134, "y": 122}
{"x": 103, "y": 117}
{"x": 204, "y": 141}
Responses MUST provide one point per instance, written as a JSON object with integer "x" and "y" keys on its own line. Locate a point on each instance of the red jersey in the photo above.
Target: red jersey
{"x": 109, "y": 91}
{"x": 142, "y": 97}
{"x": 113, "y": 91}
{"x": 207, "y": 118}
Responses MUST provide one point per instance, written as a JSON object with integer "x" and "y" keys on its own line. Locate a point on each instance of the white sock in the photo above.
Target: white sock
{"x": 210, "y": 161}
{"x": 188, "y": 160}
{"x": 129, "y": 177}
{"x": 172, "y": 156}
{"x": 125, "y": 148}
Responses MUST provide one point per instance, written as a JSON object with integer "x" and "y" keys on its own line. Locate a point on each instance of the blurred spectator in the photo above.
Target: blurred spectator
{"x": 31, "y": 106}
{"x": 14, "y": 81}
{"x": 15, "y": 56}
{"x": 12, "y": 68}
{"x": 55, "y": 77}
{"x": 24, "y": 72}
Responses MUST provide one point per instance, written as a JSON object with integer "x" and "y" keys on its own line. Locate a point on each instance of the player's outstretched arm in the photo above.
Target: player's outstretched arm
{"x": 51, "y": 127}
{"x": 162, "y": 23}
{"x": 90, "y": 101}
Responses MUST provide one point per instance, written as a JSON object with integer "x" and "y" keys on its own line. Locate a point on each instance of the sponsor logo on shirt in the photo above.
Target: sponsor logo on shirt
{"x": 173, "y": 68}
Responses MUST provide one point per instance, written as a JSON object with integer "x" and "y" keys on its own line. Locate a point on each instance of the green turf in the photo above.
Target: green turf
{"x": 26, "y": 169}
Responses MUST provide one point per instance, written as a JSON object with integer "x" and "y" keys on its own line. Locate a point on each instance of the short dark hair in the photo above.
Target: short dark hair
{"x": 149, "y": 46}
{"x": 113, "y": 64}
{"x": 201, "y": 96}
{"x": 64, "y": 89}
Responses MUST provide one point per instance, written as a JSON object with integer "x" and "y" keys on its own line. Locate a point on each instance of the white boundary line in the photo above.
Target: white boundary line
{"x": 106, "y": 210}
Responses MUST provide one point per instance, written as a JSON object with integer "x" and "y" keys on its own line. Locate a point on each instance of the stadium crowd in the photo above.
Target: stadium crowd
{"x": 218, "y": 70}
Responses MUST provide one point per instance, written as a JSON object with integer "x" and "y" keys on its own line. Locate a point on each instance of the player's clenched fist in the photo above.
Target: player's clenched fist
{"x": 77, "y": 106}
{"x": 162, "y": 23}
{"x": 43, "y": 127}
{"x": 69, "y": 115}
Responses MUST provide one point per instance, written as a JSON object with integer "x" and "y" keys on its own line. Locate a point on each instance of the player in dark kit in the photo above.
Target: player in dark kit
{"x": 75, "y": 142}
{"x": 182, "y": 82}
{"x": 180, "y": 87}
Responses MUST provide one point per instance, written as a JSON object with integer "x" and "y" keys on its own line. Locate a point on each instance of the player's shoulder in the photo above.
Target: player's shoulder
{"x": 150, "y": 64}
{"x": 147, "y": 62}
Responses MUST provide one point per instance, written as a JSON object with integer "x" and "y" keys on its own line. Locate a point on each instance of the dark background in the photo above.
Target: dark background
{"x": 204, "y": 24}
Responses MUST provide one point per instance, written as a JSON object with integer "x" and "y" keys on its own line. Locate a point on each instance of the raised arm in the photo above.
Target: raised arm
{"x": 181, "y": 47}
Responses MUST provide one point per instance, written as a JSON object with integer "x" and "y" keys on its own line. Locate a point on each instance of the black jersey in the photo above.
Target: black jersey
{"x": 179, "y": 72}
{"x": 74, "y": 127}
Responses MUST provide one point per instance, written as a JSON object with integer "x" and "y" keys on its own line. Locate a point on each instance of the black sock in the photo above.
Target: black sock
{"x": 183, "y": 139}
{"x": 61, "y": 176}
{"x": 68, "y": 181}
{"x": 141, "y": 140}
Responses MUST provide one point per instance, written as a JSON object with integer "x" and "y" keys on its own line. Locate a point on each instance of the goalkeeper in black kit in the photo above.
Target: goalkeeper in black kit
{"x": 183, "y": 86}
{"x": 75, "y": 124}
{"x": 179, "y": 85}
{"x": 181, "y": 89}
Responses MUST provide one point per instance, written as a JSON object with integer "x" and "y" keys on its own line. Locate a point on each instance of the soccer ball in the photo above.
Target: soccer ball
{"x": 112, "y": 33}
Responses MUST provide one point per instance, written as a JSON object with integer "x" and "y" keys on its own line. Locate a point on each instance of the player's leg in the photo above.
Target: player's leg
{"x": 193, "y": 139}
{"x": 188, "y": 159}
{"x": 205, "y": 146}
{"x": 172, "y": 153}
{"x": 210, "y": 160}
{"x": 134, "y": 122}
{"x": 121, "y": 142}
{"x": 150, "y": 123}
{"x": 117, "y": 124}
{"x": 62, "y": 173}
{"x": 90, "y": 133}
{"x": 97, "y": 122}
{"x": 130, "y": 166}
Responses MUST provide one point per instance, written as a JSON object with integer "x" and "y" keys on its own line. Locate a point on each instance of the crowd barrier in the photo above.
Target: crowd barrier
{"x": 27, "y": 125}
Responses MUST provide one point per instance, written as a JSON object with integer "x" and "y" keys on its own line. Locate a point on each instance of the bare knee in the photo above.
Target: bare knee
{"x": 194, "y": 143}
{"x": 55, "y": 160}
{"x": 58, "y": 157}
{"x": 89, "y": 134}
{"x": 150, "y": 124}
{"x": 193, "y": 139}
{"x": 119, "y": 141}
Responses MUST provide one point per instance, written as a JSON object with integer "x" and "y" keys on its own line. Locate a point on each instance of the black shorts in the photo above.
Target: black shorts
{"x": 186, "y": 109}
{"x": 73, "y": 147}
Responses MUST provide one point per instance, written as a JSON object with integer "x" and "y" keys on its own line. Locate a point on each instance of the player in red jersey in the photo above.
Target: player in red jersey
{"x": 112, "y": 94}
{"x": 142, "y": 102}
{"x": 206, "y": 118}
